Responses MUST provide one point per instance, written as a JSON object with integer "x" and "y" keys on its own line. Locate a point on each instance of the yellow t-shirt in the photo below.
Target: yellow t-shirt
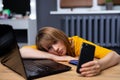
{"x": 100, "y": 52}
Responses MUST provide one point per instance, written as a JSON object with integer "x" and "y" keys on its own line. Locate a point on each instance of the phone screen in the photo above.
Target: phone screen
{"x": 86, "y": 55}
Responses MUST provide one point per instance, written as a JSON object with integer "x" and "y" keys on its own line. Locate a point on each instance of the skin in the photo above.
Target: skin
{"x": 57, "y": 48}
{"x": 57, "y": 51}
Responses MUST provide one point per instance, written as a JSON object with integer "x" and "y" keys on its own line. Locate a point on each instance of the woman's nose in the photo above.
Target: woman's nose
{"x": 55, "y": 47}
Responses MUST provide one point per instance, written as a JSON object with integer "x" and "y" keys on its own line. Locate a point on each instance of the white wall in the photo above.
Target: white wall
{"x": 33, "y": 9}
{"x": 1, "y": 5}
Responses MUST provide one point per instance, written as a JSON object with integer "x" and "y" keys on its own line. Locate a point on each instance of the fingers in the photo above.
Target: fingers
{"x": 91, "y": 63}
{"x": 88, "y": 73}
{"x": 90, "y": 69}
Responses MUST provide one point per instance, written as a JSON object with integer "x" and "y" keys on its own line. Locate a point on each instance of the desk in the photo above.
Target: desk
{"x": 112, "y": 73}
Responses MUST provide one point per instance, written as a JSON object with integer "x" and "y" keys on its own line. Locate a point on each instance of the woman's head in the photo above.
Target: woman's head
{"x": 53, "y": 41}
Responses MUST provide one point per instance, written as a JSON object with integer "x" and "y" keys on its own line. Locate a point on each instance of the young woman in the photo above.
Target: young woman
{"x": 54, "y": 44}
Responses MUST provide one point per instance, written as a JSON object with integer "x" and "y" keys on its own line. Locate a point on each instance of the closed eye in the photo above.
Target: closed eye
{"x": 50, "y": 47}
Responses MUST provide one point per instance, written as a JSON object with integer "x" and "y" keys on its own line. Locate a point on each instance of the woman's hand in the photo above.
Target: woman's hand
{"x": 91, "y": 68}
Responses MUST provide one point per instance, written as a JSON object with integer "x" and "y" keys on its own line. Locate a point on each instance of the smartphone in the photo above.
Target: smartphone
{"x": 86, "y": 55}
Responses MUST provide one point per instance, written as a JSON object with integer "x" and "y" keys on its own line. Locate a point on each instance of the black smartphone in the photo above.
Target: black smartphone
{"x": 86, "y": 54}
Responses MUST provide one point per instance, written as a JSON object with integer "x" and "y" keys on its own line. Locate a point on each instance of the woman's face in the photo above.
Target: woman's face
{"x": 57, "y": 48}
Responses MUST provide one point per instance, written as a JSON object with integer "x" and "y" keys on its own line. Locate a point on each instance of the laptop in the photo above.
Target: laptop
{"x": 27, "y": 68}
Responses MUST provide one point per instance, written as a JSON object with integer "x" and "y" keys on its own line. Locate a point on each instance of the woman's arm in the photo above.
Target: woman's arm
{"x": 28, "y": 52}
{"x": 93, "y": 68}
{"x": 111, "y": 59}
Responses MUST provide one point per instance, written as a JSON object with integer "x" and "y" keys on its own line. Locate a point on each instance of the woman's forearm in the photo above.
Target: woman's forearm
{"x": 109, "y": 60}
{"x": 27, "y": 52}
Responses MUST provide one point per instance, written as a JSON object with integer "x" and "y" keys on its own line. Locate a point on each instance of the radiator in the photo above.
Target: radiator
{"x": 103, "y": 30}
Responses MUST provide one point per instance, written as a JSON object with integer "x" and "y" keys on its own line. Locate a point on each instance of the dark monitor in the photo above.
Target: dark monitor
{"x": 17, "y": 6}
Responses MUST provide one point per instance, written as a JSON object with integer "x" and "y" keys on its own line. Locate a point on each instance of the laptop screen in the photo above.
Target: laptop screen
{"x": 9, "y": 54}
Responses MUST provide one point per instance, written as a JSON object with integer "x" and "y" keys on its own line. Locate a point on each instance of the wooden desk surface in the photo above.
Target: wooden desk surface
{"x": 112, "y": 73}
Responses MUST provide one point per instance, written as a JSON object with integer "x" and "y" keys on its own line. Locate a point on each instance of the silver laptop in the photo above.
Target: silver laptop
{"x": 27, "y": 68}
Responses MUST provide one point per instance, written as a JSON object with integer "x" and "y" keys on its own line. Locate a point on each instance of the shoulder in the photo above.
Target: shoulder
{"x": 74, "y": 37}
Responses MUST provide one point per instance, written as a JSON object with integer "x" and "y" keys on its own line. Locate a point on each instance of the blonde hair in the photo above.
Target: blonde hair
{"x": 48, "y": 35}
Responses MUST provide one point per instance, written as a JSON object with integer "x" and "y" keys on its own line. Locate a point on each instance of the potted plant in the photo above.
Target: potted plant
{"x": 109, "y": 4}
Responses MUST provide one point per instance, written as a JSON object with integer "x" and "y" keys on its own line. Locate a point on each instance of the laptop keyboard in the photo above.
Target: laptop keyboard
{"x": 31, "y": 66}
{"x": 43, "y": 67}
{"x": 33, "y": 70}
{"x": 50, "y": 65}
